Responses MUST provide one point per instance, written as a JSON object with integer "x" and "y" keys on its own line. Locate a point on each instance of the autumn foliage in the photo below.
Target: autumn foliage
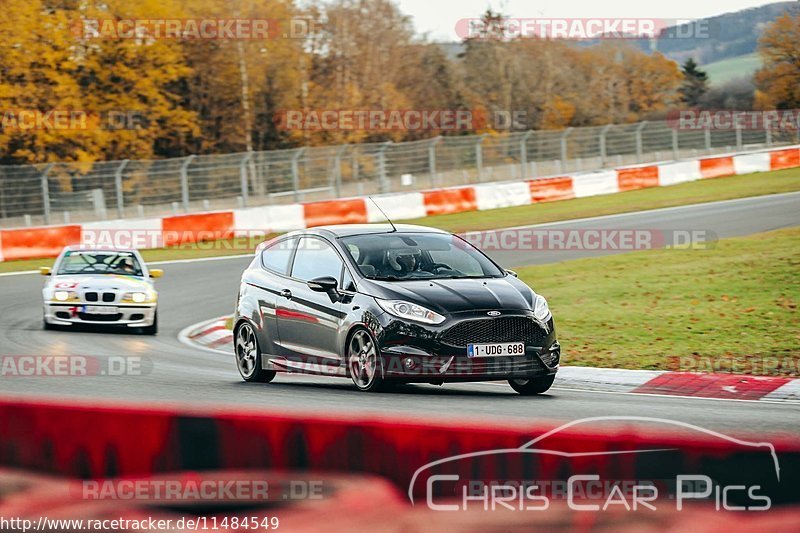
{"x": 222, "y": 95}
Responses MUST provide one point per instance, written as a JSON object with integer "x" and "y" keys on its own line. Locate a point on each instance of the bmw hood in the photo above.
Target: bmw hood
{"x": 105, "y": 282}
{"x": 447, "y": 296}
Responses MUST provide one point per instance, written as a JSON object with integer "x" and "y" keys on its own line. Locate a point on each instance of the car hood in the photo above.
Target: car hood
{"x": 100, "y": 282}
{"x": 446, "y": 296}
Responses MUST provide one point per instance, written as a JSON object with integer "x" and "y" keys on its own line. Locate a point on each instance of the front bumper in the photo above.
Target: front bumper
{"x": 129, "y": 315}
{"x": 423, "y": 353}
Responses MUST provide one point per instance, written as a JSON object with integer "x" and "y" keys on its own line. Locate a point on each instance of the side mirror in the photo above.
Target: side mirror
{"x": 45, "y": 271}
{"x": 156, "y": 273}
{"x": 324, "y": 284}
{"x": 512, "y": 273}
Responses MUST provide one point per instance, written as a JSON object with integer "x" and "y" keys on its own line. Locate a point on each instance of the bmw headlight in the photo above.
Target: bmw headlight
{"x": 135, "y": 297}
{"x": 410, "y": 311}
{"x": 540, "y": 309}
{"x": 61, "y": 296}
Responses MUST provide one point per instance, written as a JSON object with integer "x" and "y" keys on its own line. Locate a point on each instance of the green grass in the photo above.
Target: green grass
{"x": 643, "y": 199}
{"x": 720, "y": 72}
{"x": 730, "y": 308}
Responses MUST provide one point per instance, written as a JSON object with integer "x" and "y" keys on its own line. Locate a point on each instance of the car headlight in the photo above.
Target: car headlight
{"x": 410, "y": 311}
{"x": 61, "y": 296}
{"x": 136, "y": 297}
{"x": 540, "y": 309}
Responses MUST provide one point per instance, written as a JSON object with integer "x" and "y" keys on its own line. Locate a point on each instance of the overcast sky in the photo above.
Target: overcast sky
{"x": 438, "y": 17}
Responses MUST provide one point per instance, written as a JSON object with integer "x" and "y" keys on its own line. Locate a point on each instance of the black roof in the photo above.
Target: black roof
{"x": 348, "y": 230}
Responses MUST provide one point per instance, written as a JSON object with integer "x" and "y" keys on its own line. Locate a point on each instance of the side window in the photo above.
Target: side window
{"x": 276, "y": 257}
{"x": 314, "y": 259}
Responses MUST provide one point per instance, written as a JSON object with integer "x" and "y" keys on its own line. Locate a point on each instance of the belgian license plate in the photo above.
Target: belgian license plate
{"x": 496, "y": 350}
{"x": 100, "y": 310}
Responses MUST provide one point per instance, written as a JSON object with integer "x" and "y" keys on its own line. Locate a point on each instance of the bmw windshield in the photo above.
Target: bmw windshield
{"x": 99, "y": 262}
{"x": 415, "y": 256}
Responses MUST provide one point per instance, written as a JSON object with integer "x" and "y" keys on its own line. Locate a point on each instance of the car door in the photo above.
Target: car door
{"x": 309, "y": 321}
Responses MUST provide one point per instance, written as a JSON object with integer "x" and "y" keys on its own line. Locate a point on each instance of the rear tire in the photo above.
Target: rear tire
{"x": 153, "y": 328}
{"x": 533, "y": 386}
{"x": 248, "y": 355}
{"x": 363, "y": 361}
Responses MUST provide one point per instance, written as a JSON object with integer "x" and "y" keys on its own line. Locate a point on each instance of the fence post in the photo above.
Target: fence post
{"x": 185, "y": 182}
{"x": 523, "y": 151}
{"x": 337, "y": 171}
{"x": 479, "y": 156}
{"x": 118, "y": 187}
{"x": 768, "y": 137}
{"x": 46, "y": 193}
{"x": 296, "y": 173}
{"x": 675, "y": 144}
{"x": 432, "y": 158}
{"x": 738, "y": 137}
{"x": 639, "y": 144}
{"x": 243, "y": 178}
{"x": 564, "y": 147}
{"x": 707, "y": 134}
{"x": 603, "y": 154}
{"x": 382, "y": 177}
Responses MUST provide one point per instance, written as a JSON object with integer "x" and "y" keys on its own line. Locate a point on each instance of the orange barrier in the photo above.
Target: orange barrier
{"x": 551, "y": 189}
{"x": 783, "y": 159}
{"x": 335, "y": 212}
{"x": 33, "y": 243}
{"x": 717, "y": 167}
{"x": 630, "y": 179}
{"x": 197, "y": 228}
{"x": 445, "y": 201}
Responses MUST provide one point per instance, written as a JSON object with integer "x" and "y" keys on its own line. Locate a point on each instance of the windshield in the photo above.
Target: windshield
{"x": 411, "y": 256}
{"x": 97, "y": 262}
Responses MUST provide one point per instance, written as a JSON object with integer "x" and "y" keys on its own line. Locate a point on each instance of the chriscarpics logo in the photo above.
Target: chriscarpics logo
{"x": 603, "y": 463}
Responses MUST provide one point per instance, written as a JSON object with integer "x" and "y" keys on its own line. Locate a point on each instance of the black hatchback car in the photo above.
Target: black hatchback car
{"x": 386, "y": 305}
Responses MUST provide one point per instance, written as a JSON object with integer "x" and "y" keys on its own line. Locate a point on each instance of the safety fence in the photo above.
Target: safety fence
{"x": 62, "y": 193}
{"x": 29, "y": 243}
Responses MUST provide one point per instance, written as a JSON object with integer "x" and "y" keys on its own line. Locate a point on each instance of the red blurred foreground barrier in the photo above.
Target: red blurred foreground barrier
{"x": 92, "y": 442}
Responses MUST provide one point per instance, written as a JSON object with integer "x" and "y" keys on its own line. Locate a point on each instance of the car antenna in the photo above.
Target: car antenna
{"x": 394, "y": 229}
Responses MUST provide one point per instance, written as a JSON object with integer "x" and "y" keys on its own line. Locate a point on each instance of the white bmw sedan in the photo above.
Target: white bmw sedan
{"x": 102, "y": 287}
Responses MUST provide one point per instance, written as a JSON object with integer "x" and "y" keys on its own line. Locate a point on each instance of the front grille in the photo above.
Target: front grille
{"x": 91, "y": 296}
{"x": 109, "y": 297}
{"x": 100, "y": 318}
{"x": 491, "y": 330}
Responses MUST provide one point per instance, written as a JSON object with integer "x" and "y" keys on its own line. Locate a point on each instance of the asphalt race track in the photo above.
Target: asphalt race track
{"x": 195, "y": 291}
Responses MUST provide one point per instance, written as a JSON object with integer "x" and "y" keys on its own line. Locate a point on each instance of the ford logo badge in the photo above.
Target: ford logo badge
{"x": 493, "y": 313}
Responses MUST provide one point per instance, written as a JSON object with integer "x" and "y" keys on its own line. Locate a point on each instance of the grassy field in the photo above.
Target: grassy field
{"x": 643, "y": 199}
{"x": 720, "y": 72}
{"x": 731, "y": 308}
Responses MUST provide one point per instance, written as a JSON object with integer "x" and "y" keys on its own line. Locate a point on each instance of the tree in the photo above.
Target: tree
{"x": 778, "y": 81}
{"x": 695, "y": 83}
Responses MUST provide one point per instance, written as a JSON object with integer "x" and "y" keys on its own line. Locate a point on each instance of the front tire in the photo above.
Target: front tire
{"x": 533, "y": 386}
{"x": 152, "y": 329}
{"x": 363, "y": 362}
{"x": 248, "y": 356}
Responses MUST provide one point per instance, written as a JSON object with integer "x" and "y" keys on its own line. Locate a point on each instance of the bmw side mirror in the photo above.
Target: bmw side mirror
{"x": 512, "y": 273}
{"x": 44, "y": 271}
{"x": 324, "y": 284}
{"x": 156, "y": 273}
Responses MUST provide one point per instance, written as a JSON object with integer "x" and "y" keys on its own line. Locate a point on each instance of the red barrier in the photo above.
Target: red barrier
{"x": 33, "y": 243}
{"x": 335, "y": 212}
{"x": 717, "y": 167}
{"x": 200, "y": 227}
{"x": 637, "y": 178}
{"x": 551, "y": 189}
{"x": 446, "y": 201}
{"x": 783, "y": 159}
{"x": 91, "y": 442}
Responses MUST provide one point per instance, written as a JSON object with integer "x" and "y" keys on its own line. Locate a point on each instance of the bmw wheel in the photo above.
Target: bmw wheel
{"x": 529, "y": 387}
{"x": 248, "y": 356}
{"x": 152, "y": 329}
{"x": 363, "y": 361}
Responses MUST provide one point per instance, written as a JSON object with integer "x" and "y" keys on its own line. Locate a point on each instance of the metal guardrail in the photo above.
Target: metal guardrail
{"x": 130, "y": 189}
